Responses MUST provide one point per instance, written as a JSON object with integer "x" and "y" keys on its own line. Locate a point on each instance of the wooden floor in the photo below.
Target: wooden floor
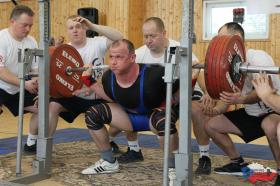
{"x": 8, "y": 127}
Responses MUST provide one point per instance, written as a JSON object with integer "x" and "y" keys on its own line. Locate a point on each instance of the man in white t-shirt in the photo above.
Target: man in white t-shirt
{"x": 271, "y": 124}
{"x": 12, "y": 39}
{"x": 152, "y": 52}
{"x": 245, "y": 122}
{"x": 92, "y": 51}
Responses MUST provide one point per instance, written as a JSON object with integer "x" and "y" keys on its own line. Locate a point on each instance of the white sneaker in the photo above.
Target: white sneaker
{"x": 102, "y": 167}
{"x": 171, "y": 176}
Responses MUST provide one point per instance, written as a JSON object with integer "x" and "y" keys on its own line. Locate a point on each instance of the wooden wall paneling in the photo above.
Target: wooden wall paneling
{"x": 152, "y": 9}
{"x": 261, "y": 45}
{"x": 247, "y": 45}
{"x": 122, "y": 15}
{"x": 127, "y": 16}
{"x": 111, "y": 14}
{"x": 117, "y": 5}
{"x": 277, "y": 41}
{"x": 258, "y": 45}
{"x": 199, "y": 47}
{"x": 255, "y": 45}
{"x": 103, "y": 12}
{"x": 271, "y": 17}
{"x": 175, "y": 13}
{"x": 135, "y": 21}
{"x": 86, "y": 3}
{"x": 148, "y": 8}
{"x": 59, "y": 13}
{"x": 157, "y": 10}
{"x": 167, "y": 17}
{"x": 177, "y": 8}
{"x": 273, "y": 34}
{"x": 164, "y": 15}
{"x": 265, "y": 46}
{"x": 5, "y": 11}
{"x": 268, "y": 46}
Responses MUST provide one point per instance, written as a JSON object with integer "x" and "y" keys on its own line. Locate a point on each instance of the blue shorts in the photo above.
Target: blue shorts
{"x": 139, "y": 122}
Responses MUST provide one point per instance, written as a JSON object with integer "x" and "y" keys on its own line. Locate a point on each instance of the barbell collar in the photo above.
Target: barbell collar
{"x": 246, "y": 67}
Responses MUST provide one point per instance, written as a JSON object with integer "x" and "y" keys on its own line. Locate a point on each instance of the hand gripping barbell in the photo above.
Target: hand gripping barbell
{"x": 70, "y": 70}
{"x": 224, "y": 69}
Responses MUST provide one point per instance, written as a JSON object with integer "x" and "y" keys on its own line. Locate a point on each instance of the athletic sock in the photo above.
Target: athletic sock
{"x": 204, "y": 150}
{"x": 134, "y": 145}
{"x": 107, "y": 155}
{"x": 31, "y": 139}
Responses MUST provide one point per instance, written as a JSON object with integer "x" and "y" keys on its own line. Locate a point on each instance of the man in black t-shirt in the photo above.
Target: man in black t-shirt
{"x": 138, "y": 93}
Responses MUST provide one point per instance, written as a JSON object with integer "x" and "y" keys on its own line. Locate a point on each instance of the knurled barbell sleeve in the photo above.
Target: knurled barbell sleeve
{"x": 246, "y": 67}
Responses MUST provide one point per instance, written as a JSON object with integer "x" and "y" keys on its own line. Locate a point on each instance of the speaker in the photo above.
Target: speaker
{"x": 92, "y": 15}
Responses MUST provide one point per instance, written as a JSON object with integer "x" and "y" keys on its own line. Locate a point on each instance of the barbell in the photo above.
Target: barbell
{"x": 224, "y": 68}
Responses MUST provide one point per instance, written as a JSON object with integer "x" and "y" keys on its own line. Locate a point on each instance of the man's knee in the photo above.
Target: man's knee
{"x": 55, "y": 108}
{"x": 210, "y": 127}
{"x": 196, "y": 108}
{"x": 97, "y": 115}
{"x": 158, "y": 121}
{"x": 269, "y": 126}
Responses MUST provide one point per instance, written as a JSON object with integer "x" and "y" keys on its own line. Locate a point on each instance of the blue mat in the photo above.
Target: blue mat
{"x": 8, "y": 145}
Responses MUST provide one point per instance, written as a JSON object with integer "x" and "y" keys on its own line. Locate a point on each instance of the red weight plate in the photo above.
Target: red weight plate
{"x": 208, "y": 66}
{"x": 216, "y": 66}
{"x": 225, "y": 66}
{"x": 211, "y": 68}
{"x": 220, "y": 65}
{"x": 233, "y": 47}
{"x": 208, "y": 61}
{"x": 53, "y": 91}
{"x": 51, "y": 50}
{"x": 62, "y": 84}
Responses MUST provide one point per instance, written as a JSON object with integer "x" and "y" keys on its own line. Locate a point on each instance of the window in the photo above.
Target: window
{"x": 218, "y": 12}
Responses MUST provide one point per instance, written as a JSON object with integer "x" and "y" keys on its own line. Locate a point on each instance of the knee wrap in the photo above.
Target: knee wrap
{"x": 158, "y": 121}
{"x": 97, "y": 115}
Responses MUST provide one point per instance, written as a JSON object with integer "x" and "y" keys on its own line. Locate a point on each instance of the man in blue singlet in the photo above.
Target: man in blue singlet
{"x": 138, "y": 92}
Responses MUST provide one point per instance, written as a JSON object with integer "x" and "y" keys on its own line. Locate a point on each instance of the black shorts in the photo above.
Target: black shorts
{"x": 11, "y": 101}
{"x": 74, "y": 106}
{"x": 250, "y": 126}
{"x": 197, "y": 95}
